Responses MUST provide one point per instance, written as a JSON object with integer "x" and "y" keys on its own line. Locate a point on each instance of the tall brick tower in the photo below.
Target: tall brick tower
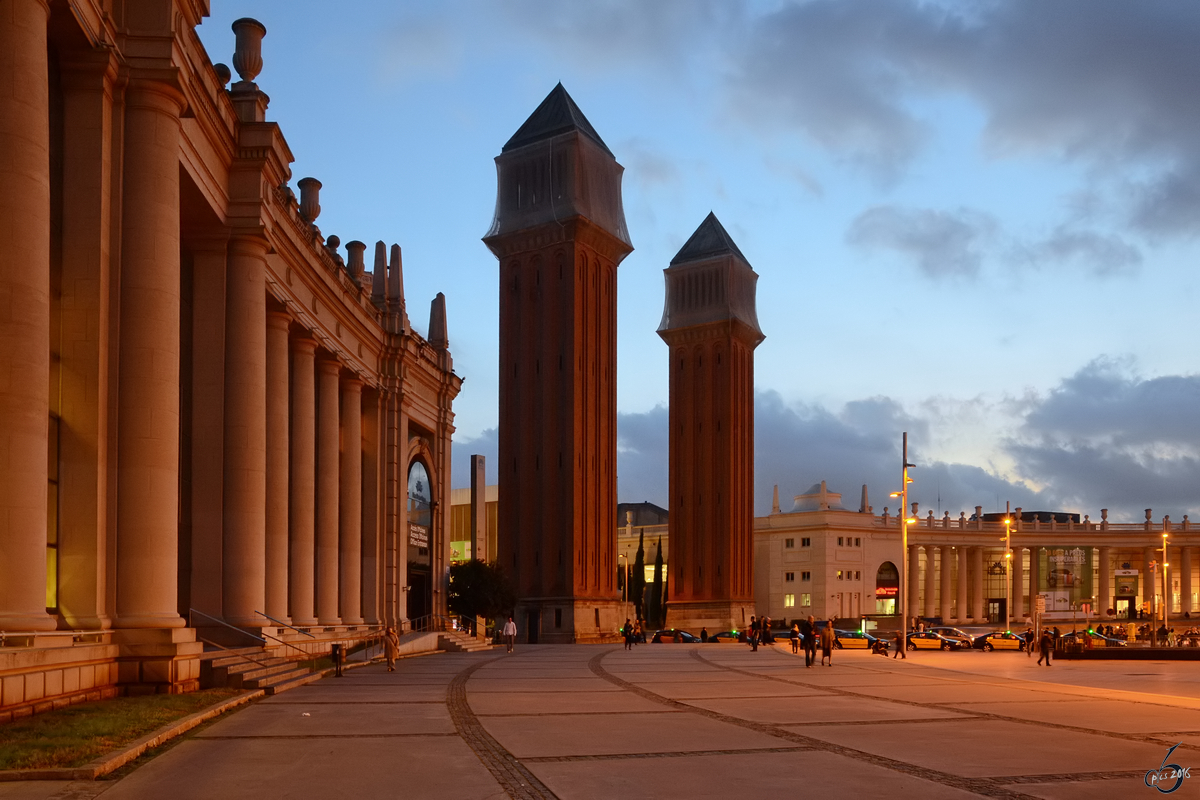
{"x": 711, "y": 327}
{"x": 559, "y": 233}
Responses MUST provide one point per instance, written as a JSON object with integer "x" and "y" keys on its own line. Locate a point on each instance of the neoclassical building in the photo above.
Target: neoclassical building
{"x": 209, "y": 416}
{"x": 825, "y": 559}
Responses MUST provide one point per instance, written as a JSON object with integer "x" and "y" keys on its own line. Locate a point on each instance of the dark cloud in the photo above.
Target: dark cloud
{"x": 942, "y": 244}
{"x": 486, "y": 444}
{"x": 1102, "y": 256}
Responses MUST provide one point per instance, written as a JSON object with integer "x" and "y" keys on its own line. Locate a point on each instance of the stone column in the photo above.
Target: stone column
{"x": 277, "y": 466}
{"x": 148, "y": 405}
{"x": 84, "y": 323}
{"x": 977, "y": 601}
{"x": 1018, "y": 585}
{"x": 961, "y": 599}
{"x": 372, "y": 508}
{"x": 24, "y": 313}
{"x": 244, "y": 564}
{"x": 328, "y": 435}
{"x": 912, "y": 583}
{"x": 1105, "y": 595}
{"x": 303, "y": 473}
{"x": 929, "y": 607}
{"x": 945, "y": 567}
{"x": 1185, "y": 579}
{"x": 350, "y": 503}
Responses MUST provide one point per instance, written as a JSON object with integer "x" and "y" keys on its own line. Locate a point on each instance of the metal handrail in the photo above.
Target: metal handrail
{"x": 284, "y": 624}
{"x": 226, "y": 624}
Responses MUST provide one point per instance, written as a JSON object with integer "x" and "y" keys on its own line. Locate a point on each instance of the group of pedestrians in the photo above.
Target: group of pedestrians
{"x": 632, "y": 631}
{"x": 806, "y": 633}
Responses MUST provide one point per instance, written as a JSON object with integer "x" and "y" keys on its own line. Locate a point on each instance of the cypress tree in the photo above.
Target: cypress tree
{"x": 655, "y": 610}
{"x": 637, "y": 579}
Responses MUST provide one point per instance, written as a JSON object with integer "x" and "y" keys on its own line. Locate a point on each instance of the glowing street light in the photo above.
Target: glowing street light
{"x": 1165, "y": 584}
{"x": 1007, "y": 568}
{"x": 902, "y": 592}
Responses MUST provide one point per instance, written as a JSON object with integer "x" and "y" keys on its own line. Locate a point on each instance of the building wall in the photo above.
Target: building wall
{"x": 226, "y": 421}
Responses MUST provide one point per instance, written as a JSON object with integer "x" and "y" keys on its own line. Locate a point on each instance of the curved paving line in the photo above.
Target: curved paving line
{"x": 1142, "y": 738}
{"x": 517, "y": 781}
{"x": 981, "y": 786}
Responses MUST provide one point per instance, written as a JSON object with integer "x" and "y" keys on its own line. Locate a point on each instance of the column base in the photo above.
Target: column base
{"x": 150, "y": 621}
{"x": 165, "y": 661}
{"x": 568, "y": 620}
{"x": 716, "y": 615}
{"x": 16, "y": 622}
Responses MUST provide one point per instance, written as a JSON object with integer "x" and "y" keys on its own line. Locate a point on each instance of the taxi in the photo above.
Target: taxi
{"x": 1000, "y": 640}
{"x": 852, "y": 640}
{"x": 928, "y": 640}
{"x": 963, "y": 638}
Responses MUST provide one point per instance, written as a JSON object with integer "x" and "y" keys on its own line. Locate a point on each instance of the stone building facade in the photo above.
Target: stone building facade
{"x": 559, "y": 234}
{"x": 209, "y": 416}
{"x": 823, "y": 559}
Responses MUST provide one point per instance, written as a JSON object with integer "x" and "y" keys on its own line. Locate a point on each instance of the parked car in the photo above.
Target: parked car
{"x": 963, "y": 638}
{"x": 999, "y": 640}
{"x": 852, "y": 640}
{"x": 928, "y": 640}
{"x": 1098, "y": 639}
{"x": 673, "y": 636}
{"x": 727, "y": 636}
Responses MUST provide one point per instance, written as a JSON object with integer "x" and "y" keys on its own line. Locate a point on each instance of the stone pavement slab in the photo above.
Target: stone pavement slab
{"x": 823, "y": 709}
{"x": 682, "y": 690}
{"x": 962, "y": 693}
{"x": 500, "y": 703}
{"x": 1101, "y": 715}
{"x": 360, "y": 719}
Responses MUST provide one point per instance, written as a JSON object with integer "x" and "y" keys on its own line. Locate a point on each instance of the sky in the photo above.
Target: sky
{"x": 976, "y": 223}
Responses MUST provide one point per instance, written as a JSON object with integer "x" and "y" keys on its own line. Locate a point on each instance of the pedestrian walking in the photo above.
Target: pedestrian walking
{"x": 391, "y": 647}
{"x": 754, "y": 631}
{"x": 1047, "y": 646}
{"x": 900, "y": 645}
{"x": 809, "y": 631}
{"x": 795, "y": 638}
{"x": 704, "y": 635}
{"x": 1029, "y": 642}
{"x": 510, "y": 634}
{"x": 638, "y": 634}
{"x": 627, "y": 631}
{"x": 827, "y": 643}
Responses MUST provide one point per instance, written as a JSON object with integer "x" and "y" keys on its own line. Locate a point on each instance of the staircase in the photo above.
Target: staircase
{"x": 459, "y": 642}
{"x": 251, "y": 668}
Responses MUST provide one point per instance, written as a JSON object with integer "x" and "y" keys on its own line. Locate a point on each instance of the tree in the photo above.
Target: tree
{"x": 654, "y": 611}
{"x": 480, "y": 590}
{"x": 637, "y": 580}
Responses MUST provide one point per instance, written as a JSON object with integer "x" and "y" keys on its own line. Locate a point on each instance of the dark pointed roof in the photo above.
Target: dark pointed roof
{"x": 556, "y": 115}
{"x": 709, "y": 241}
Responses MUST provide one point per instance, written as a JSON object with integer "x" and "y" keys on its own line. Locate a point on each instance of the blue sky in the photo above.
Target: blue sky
{"x": 976, "y": 223}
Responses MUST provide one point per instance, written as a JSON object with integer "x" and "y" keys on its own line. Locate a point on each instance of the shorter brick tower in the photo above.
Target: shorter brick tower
{"x": 711, "y": 327}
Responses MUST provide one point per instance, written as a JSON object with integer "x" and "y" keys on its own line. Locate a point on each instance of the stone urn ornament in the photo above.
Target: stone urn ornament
{"x": 247, "y": 54}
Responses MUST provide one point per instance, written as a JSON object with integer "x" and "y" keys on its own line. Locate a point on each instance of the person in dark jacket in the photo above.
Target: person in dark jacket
{"x": 827, "y": 643}
{"x": 809, "y": 631}
{"x": 900, "y": 645}
{"x": 1047, "y": 646}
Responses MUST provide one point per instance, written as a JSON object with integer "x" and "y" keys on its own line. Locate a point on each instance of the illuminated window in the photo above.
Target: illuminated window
{"x": 805, "y": 600}
{"x": 840, "y": 575}
{"x": 789, "y": 542}
{"x": 789, "y": 601}
{"x": 789, "y": 576}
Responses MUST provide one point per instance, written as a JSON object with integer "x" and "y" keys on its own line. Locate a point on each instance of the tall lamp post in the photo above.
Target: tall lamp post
{"x": 1007, "y": 569}
{"x": 1165, "y": 584}
{"x": 902, "y": 592}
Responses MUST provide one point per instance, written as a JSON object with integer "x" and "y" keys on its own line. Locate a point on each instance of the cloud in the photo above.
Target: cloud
{"x": 1100, "y": 255}
{"x": 942, "y": 244}
{"x": 486, "y": 444}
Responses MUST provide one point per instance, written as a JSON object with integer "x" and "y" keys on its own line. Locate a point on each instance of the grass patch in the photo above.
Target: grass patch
{"x": 73, "y": 736}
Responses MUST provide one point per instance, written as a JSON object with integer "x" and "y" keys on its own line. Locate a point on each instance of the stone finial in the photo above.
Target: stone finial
{"x": 775, "y": 500}
{"x": 223, "y": 73}
{"x": 1104, "y": 514}
{"x": 1149, "y": 511}
{"x": 247, "y": 54}
{"x": 437, "y": 323}
{"x": 331, "y": 247}
{"x": 310, "y": 199}
{"x": 379, "y": 276}
{"x": 628, "y": 519}
{"x": 915, "y": 506}
{"x": 863, "y": 506}
{"x": 395, "y": 286}
{"x": 355, "y": 266}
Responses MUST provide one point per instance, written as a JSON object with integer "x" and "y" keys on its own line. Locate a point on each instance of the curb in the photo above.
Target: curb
{"x": 109, "y": 763}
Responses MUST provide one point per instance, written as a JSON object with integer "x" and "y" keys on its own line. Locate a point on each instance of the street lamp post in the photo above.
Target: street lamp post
{"x": 1007, "y": 568}
{"x": 1165, "y": 584}
{"x": 902, "y": 591}
{"x": 625, "y": 577}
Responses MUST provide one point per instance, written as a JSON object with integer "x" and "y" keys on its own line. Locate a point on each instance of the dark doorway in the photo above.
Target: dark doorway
{"x": 420, "y": 560}
{"x": 533, "y": 623}
{"x": 418, "y": 592}
{"x": 1126, "y": 607}
{"x": 995, "y": 609}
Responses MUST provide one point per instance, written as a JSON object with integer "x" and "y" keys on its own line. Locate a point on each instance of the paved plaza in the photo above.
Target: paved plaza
{"x": 690, "y": 721}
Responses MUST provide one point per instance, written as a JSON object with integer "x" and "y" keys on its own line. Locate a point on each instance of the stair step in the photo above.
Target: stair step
{"x": 275, "y": 679}
{"x": 263, "y": 672}
{"x": 217, "y": 655}
{"x": 292, "y": 684}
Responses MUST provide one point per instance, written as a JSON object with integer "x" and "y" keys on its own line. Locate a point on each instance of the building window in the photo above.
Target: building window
{"x": 806, "y": 600}
{"x": 857, "y": 575}
{"x": 558, "y": 617}
{"x": 789, "y": 601}
{"x": 806, "y": 576}
{"x": 789, "y": 576}
{"x": 857, "y": 542}
{"x": 840, "y": 575}
{"x": 789, "y": 543}
{"x": 806, "y": 542}
{"x": 839, "y": 541}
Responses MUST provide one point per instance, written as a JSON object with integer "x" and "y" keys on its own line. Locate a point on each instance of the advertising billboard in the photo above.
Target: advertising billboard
{"x": 1065, "y": 577}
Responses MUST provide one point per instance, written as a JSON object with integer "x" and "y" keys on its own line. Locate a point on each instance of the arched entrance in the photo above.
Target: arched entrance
{"x": 420, "y": 525}
{"x": 887, "y": 588}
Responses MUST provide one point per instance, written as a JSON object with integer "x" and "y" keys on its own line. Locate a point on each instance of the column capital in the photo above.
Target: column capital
{"x": 280, "y": 321}
{"x": 329, "y": 365}
{"x": 89, "y": 70}
{"x": 157, "y": 90}
{"x": 304, "y": 344}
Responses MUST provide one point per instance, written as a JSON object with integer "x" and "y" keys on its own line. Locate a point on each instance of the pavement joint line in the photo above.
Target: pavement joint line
{"x": 1145, "y": 738}
{"x": 1072, "y": 777}
{"x": 980, "y": 786}
{"x": 580, "y": 713}
{"x": 359, "y": 703}
{"x": 666, "y": 754}
{"x": 327, "y": 736}
{"x": 514, "y": 777}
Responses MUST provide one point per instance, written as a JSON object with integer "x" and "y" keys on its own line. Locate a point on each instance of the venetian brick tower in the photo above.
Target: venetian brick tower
{"x": 711, "y": 327}
{"x": 559, "y": 233}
